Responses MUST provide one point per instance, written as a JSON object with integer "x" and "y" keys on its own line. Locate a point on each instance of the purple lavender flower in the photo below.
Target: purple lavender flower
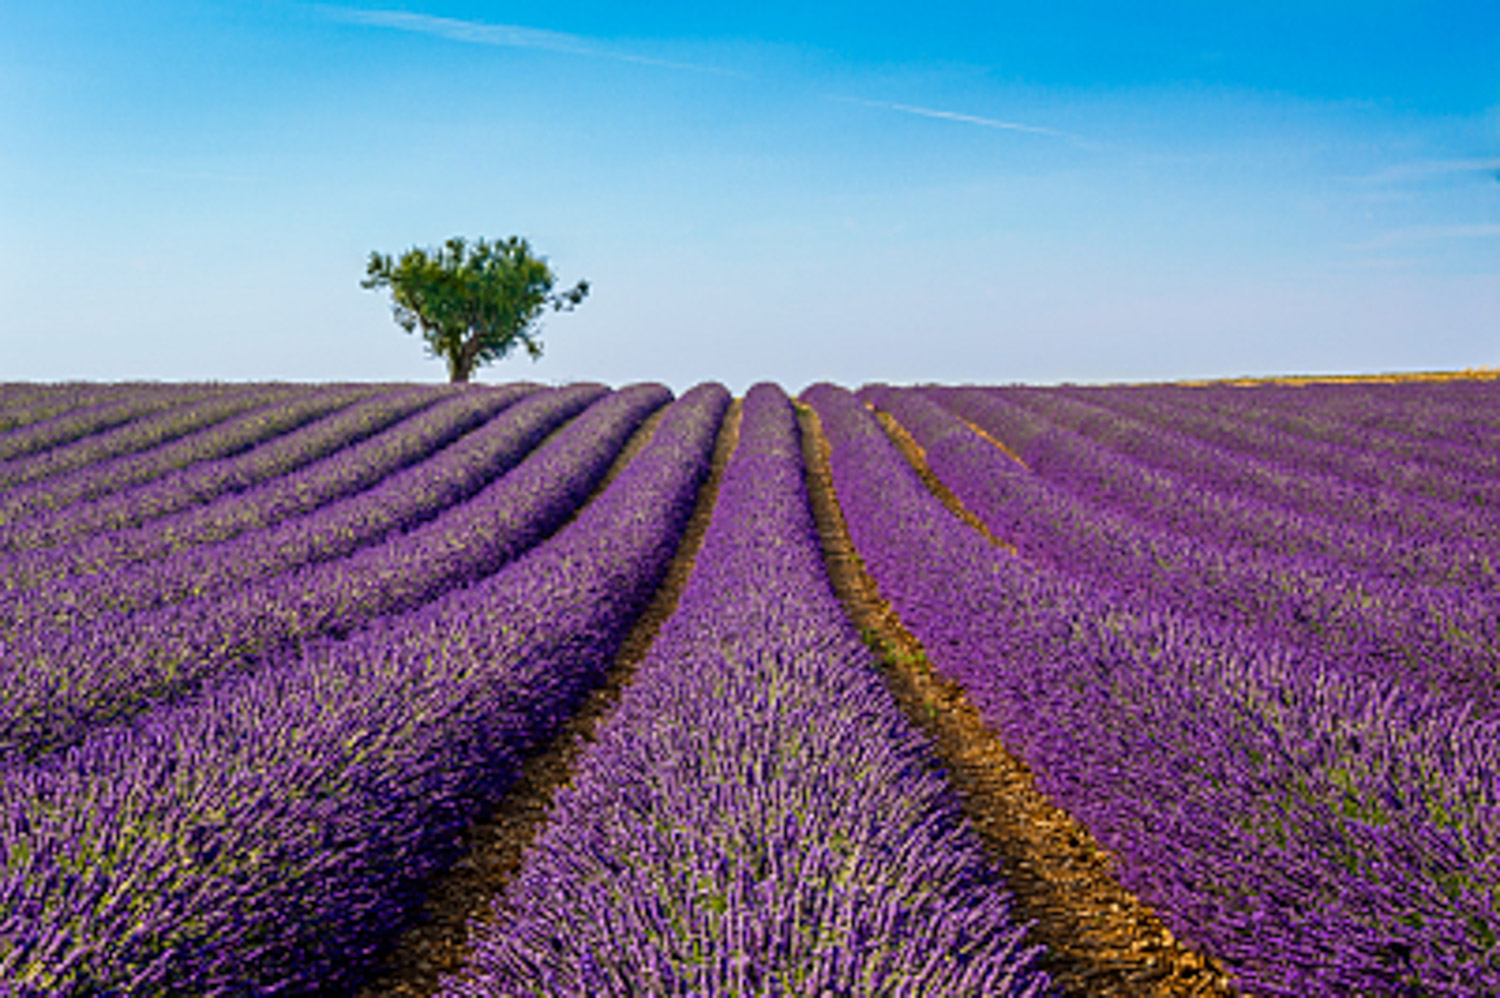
{"x": 265, "y": 835}
{"x": 757, "y": 816}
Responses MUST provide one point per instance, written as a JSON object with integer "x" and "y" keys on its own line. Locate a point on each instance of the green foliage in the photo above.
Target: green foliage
{"x": 473, "y": 303}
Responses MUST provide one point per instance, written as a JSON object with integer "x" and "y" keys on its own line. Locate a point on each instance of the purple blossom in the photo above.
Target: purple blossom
{"x": 265, "y": 835}
{"x": 69, "y": 680}
{"x": 104, "y": 542}
{"x": 757, "y": 816}
{"x": 1318, "y": 833}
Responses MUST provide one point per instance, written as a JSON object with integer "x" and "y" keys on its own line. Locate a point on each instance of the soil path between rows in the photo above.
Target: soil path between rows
{"x": 1100, "y": 939}
{"x": 437, "y": 942}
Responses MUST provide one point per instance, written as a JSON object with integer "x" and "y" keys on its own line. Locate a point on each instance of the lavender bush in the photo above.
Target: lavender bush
{"x": 69, "y": 413}
{"x": 400, "y": 502}
{"x": 264, "y": 836}
{"x": 70, "y": 680}
{"x": 1319, "y": 835}
{"x": 173, "y": 440}
{"x": 757, "y": 817}
{"x": 351, "y": 469}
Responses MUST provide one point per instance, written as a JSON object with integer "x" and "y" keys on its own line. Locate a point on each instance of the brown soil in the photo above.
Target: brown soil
{"x": 917, "y": 458}
{"x": 1100, "y": 939}
{"x": 981, "y": 431}
{"x": 437, "y": 941}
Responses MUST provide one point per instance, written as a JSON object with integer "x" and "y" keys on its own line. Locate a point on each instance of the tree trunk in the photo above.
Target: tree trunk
{"x": 461, "y": 365}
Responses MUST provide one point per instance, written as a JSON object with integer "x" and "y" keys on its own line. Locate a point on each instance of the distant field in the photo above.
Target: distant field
{"x": 392, "y": 689}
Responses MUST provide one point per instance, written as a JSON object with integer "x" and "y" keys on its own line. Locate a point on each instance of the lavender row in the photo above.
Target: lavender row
{"x": 22, "y": 404}
{"x": 1317, "y": 835}
{"x": 91, "y": 410}
{"x": 207, "y": 480}
{"x": 1456, "y": 428}
{"x": 64, "y": 682}
{"x": 400, "y": 502}
{"x": 266, "y": 837}
{"x": 1182, "y": 502}
{"x": 159, "y": 426}
{"x": 218, "y": 428}
{"x": 1235, "y": 459}
{"x": 1435, "y": 639}
{"x": 1307, "y": 441}
{"x": 1458, "y": 412}
{"x": 757, "y": 816}
{"x": 343, "y": 473}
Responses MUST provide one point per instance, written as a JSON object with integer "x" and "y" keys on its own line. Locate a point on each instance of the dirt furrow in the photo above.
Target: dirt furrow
{"x": 1100, "y": 939}
{"x": 436, "y": 944}
{"x": 917, "y": 458}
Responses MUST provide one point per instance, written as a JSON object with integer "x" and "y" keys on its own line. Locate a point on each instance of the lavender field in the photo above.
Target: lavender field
{"x": 522, "y": 690}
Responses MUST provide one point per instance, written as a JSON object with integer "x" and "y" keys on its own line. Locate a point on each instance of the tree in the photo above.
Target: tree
{"x": 473, "y": 303}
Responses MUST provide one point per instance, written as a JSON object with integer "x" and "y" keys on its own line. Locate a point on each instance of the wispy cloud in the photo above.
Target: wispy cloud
{"x": 1428, "y": 234}
{"x": 516, "y": 36}
{"x": 503, "y": 35}
{"x": 967, "y": 119}
{"x": 1418, "y": 171}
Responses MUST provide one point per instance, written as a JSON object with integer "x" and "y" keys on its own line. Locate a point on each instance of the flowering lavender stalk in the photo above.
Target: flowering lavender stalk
{"x": 398, "y": 503}
{"x": 1358, "y": 444}
{"x": 757, "y": 816}
{"x": 1189, "y": 503}
{"x": 67, "y": 681}
{"x": 238, "y": 423}
{"x": 1317, "y": 835}
{"x": 348, "y": 470}
{"x": 1421, "y": 637}
{"x": 120, "y": 449}
{"x": 266, "y": 836}
{"x": 24, "y": 403}
{"x": 1409, "y": 421}
{"x": 79, "y": 411}
{"x": 356, "y": 414}
{"x": 1335, "y": 482}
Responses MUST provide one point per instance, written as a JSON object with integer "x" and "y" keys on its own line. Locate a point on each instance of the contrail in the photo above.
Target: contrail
{"x": 516, "y": 36}
{"x": 968, "y": 119}
{"x": 503, "y": 35}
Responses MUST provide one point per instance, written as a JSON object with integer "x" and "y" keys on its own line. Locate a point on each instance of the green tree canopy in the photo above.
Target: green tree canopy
{"x": 474, "y": 303}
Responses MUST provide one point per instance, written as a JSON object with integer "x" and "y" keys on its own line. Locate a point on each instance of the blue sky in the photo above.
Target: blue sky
{"x": 951, "y": 192}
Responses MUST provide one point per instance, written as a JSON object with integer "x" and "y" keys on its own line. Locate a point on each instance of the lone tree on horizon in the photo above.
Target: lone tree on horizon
{"x": 474, "y": 303}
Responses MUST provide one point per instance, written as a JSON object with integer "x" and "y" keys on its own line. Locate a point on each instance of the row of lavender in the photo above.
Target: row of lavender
{"x": 161, "y": 443}
{"x": 1320, "y": 823}
{"x": 265, "y": 830}
{"x": 25, "y": 403}
{"x": 40, "y": 419}
{"x": 1435, "y": 638}
{"x": 108, "y": 533}
{"x": 1325, "y": 499}
{"x": 757, "y": 816}
{"x": 1384, "y": 433}
{"x": 358, "y": 496}
{"x": 288, "y": 443}
{"x": 1410, "y": 420}
{"x": 441, "y": 524}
